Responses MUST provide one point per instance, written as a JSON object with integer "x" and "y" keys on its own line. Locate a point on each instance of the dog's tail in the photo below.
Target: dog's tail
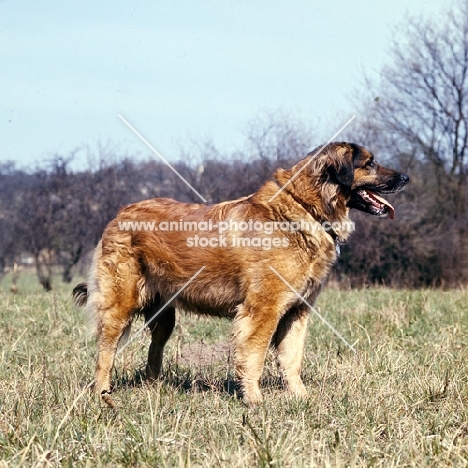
{"x": 80, "y": 294}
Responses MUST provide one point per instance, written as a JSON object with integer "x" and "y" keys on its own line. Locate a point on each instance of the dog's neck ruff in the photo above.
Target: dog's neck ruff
{"x": 336, "y": 239}
{"x": 330, "y": 231}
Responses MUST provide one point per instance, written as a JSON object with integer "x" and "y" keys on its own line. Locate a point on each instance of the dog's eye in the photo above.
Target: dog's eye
{"x": 371, "y": 163}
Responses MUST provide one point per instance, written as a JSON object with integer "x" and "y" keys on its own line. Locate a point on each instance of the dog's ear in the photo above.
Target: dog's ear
{"x": 342, "y": 167}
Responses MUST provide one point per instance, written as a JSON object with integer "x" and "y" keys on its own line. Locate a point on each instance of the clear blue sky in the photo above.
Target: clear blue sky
{"x": 180, "y": 70}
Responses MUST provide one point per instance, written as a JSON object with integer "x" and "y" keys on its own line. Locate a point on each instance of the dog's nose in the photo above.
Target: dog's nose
{"x": 404, "y": 178}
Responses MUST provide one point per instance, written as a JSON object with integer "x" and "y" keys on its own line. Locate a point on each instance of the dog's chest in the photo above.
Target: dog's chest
{"x": 318, "y": 260}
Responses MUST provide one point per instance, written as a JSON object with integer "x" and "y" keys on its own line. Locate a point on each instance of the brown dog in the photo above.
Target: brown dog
{"x": 239, "y": 259}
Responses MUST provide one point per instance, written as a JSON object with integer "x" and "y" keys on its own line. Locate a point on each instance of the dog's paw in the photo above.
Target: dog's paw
{"x": 252, "y": 396}
{"x": 105, "y": 396}
{"x": 298, "y": 390}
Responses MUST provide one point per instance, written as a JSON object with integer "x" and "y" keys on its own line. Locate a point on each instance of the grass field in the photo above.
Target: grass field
{"x": 400, "y": 401}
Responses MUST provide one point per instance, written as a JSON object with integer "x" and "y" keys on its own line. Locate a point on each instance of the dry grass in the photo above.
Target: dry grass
{"x": 401, "y": 401}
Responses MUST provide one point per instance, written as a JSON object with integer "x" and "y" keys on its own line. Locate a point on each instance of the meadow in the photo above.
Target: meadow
{"x": 400, "y": 401}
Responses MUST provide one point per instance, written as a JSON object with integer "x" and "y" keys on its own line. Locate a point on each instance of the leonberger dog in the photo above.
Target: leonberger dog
{"x": 259, "y": 260}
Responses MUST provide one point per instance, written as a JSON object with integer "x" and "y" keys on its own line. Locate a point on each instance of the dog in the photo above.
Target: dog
{"x": 262, "y": 269}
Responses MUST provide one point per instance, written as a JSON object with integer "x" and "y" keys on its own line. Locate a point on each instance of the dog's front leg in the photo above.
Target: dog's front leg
{"x": 289, "y": 341}
{"x": 252, "y": 333}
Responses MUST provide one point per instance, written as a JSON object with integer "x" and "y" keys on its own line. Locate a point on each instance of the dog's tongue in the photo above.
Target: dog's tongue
{"x": 391, "y": 210}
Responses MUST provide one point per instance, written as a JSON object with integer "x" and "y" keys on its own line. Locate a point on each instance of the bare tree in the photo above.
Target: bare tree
{"x": 8, "y": 248}
{"x": 51, "y": 214}
{"x": 36, "y": 227}
{"x": 419, "y": 113}
{"x": 11, "y": 183}
{"x": 274, "y": 139}
{"x": 279, "y": 139}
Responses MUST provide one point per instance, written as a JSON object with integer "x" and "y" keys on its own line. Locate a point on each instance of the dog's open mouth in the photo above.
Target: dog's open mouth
{"x": 372, "y": 203}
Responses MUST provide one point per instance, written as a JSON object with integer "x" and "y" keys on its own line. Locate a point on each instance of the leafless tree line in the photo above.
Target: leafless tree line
{"x": 415, "y": 117}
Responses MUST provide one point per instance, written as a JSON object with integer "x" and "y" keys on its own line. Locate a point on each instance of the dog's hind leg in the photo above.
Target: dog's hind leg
{"x": 289, "y": 341}
{"x": 161, "y": 326}
{"x": 114, "y": 322}
{"x": 113, "y": 302}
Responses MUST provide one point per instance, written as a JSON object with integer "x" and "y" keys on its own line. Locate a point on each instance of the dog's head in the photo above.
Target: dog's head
{"x": 363, "y": 179}
{"x": 341, "y": 176}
